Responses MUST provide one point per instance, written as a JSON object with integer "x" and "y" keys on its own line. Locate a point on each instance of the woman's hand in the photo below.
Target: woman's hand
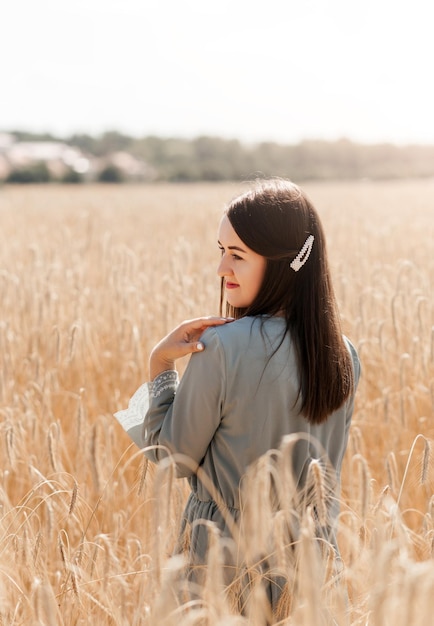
{"x": 183, "y": 340}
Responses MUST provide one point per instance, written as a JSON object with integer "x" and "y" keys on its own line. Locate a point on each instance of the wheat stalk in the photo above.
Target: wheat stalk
{"x": 425, "y": 462}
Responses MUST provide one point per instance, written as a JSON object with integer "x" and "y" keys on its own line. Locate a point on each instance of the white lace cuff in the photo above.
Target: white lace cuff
{"x": 132, "y": 418}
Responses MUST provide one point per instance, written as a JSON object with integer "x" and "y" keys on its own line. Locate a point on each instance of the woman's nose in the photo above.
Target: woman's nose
{"x": 224, "y": 268}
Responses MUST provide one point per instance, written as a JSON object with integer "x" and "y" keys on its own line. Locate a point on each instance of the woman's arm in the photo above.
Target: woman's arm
{"x": 149, "y": 419}
{"x": 182, "y": 418}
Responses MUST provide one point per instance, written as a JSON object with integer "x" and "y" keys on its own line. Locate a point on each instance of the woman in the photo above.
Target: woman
{"x": 277, "y": 365}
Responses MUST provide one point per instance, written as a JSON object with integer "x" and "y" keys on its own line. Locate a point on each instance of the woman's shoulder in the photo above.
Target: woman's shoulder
{"x": 243, "y": 330}
{"x": 229, "y": 330}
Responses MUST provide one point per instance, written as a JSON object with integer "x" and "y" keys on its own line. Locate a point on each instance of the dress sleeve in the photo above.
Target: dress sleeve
{"x": 182, "y": 420}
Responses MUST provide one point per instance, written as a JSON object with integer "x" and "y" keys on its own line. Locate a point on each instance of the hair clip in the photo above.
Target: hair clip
{"x": 303, "y": 255}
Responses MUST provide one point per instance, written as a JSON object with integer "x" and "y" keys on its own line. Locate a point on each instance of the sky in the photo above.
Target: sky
{"x": 275, "y": 70}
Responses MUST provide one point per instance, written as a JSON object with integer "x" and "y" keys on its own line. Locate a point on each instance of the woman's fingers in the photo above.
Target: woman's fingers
{"x": 182, "y": 341}
{"x": 205, "y": 322}
{"x": 194, "y": 328}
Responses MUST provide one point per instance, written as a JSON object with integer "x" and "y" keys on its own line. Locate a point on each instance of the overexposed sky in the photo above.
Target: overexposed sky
{"x": 281, "y": 70}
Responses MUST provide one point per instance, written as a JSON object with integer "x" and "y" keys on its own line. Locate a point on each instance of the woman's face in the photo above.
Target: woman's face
{"x": 242, "y": 269}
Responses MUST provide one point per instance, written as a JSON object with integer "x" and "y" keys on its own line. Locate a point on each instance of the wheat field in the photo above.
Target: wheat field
{"x": 90, "y": 278}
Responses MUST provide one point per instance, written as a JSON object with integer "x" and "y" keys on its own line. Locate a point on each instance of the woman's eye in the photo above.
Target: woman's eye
{"x": 235, "y": 257}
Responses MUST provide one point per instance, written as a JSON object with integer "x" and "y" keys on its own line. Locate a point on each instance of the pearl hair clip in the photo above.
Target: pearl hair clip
{"x": 303, "y": 255}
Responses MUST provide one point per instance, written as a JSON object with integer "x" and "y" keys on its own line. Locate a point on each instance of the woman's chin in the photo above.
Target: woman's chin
{"x": 236, "y": 303}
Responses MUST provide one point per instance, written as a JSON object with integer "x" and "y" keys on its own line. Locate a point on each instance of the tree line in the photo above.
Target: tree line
{"x": 209, "y": 158}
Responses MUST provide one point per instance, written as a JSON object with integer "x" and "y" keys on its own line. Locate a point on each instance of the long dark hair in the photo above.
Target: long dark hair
{"x": 274, "y": 219}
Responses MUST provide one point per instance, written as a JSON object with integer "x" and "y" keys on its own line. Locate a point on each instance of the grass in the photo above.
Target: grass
{"x": 90, "y": 279}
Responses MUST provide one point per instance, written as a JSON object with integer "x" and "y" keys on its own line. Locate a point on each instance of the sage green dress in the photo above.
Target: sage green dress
{"x": 236, "y": 401}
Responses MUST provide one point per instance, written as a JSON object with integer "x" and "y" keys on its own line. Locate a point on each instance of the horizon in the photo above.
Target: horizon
{"x": 66, "y": 137}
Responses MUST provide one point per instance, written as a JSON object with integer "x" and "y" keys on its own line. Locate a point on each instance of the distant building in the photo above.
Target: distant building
{"x": 6, "y": 140}
{"x": 58, "y": 156}
{"x": 131, "y": 167}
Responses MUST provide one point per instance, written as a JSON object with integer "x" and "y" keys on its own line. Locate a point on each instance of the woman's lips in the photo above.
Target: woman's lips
{"x": 231, "y": 285}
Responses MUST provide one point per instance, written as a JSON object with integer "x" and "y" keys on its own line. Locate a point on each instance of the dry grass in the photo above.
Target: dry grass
{"x": 90, "y": 278}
